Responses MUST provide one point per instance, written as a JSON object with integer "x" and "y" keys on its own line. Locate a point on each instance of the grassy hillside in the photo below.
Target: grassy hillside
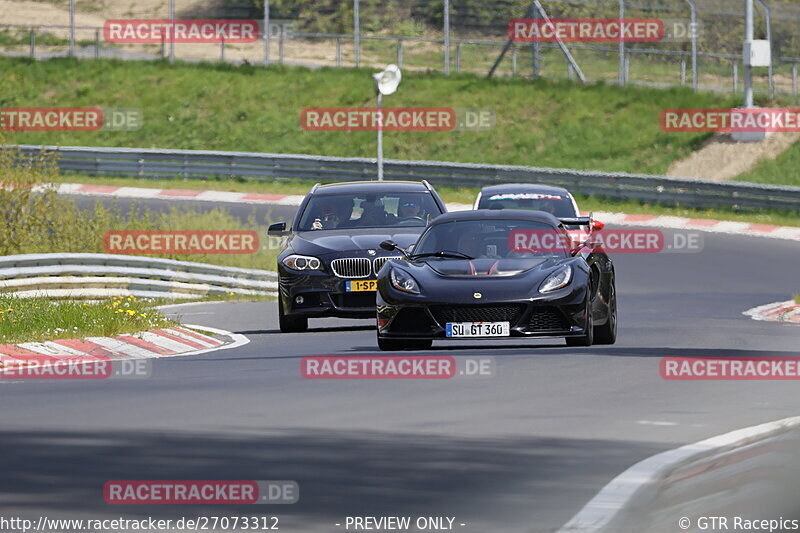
{"x": 204, "y": 106}
{"x": 783, "y": 170}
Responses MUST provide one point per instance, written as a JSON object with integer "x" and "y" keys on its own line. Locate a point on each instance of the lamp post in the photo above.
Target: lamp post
{"x": 386, "y": 83}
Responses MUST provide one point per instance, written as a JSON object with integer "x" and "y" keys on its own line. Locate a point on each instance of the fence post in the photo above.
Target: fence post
{"x": 338, "y": 51}
{"x": 266, "y": 32}
{"x": 281, "y": 44}
{"x": 71, "y": 28}
{"x": 768, "y": 20}
{"x": 96, "y": 44}
{"x": 621, "y": 44}
{"x": 735, "y": 76}
{"x": 399, "y": 52}
{"x": 171, "y": 31}
{"x": 683, "y": 71}
{"x": 514, "y": 60}
{"x": 535, "y": 46}
{"x": 446, "y": 37}
{"x": 693, "y": 8}
{"x": 356, "y": 33}
{"x": 33, "y": 42}
{"x": 627, "y": 67}
{"x": 458, "y": 56}
{"x": 794, "y": 78}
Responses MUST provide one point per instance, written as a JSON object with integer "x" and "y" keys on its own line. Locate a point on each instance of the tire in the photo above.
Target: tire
{"x": 588, "y": 339}
{"x": 607, "y": 333}
{"x": 291, "y": 324}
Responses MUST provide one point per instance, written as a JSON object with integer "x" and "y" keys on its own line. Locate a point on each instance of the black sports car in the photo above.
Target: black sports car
{"x": 530, "y": 197}
{"x": 330, "y": 260}
{"x": 503, "y": 273}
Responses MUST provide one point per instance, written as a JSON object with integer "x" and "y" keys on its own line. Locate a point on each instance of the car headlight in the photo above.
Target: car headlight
{"x": 556, "y": 280}
{"x": 403, "y": 281}
{"x": 302, "y": 262}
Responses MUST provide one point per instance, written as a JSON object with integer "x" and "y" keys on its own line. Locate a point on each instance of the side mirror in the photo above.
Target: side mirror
{"x": 597, "y": 225}
{"x": 389, "y": 246}
{"x": 277, "y": 230}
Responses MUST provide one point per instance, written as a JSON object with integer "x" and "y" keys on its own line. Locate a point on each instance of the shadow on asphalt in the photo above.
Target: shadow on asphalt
{"x": 333, "y": 329}
{"x": 503, "y": 480}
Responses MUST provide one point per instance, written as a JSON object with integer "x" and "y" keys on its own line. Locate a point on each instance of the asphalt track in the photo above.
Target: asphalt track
{"x": 521, "y": 451}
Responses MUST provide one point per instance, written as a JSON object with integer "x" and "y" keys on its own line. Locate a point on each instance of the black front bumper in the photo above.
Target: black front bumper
{"x": 323, "y": 295}
{"x": 563, "y": 316}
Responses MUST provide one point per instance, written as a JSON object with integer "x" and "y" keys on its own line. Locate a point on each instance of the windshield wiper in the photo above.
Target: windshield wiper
{"x": 443, "y": 253}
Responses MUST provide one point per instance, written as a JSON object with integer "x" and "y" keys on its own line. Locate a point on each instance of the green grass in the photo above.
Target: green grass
{"x": 41, "y": 319}
{"x": 212, "y": 106}
{"x": 783, "y": 170}
{"x": 797, "y": 298}
{"x": 21, "y": 37}
{"x": 463, "y": 195}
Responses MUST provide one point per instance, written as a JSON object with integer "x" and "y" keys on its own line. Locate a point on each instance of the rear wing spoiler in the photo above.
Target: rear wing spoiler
{"x": 577, "y": 221}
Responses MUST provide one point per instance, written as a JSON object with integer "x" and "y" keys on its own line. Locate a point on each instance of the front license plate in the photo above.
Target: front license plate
{"x": 361, "y": 285}
{"x": 478, "y": 329}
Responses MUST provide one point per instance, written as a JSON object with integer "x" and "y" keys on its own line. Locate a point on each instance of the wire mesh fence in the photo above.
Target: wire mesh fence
{"x": 702, "y": 42}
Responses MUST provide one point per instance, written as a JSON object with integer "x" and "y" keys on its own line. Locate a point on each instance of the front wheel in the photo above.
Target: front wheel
{"x": 588, "y": 339}
{"x": 607, "y": 333}
{"x": 291, "y": 324}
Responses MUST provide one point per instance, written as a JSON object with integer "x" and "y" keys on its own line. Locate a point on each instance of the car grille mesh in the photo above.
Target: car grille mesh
{"x": 378, "y": 263}
{"x": 412, "y": 321}
{"x": 478, "y": 313}
{"x": 352, "y": 267}
{"x": 547, "y": 319}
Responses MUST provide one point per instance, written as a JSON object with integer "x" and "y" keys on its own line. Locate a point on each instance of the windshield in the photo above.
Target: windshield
{"x": 342, "y": 211}
{"x": 492, "y": 239}
{"x": 560, "y": 206}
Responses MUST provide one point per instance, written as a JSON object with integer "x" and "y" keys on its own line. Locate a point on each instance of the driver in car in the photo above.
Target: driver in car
{"x": 409, "y": 209}
{"x": 373, "y": 215}
{"x": 327, "y": 219}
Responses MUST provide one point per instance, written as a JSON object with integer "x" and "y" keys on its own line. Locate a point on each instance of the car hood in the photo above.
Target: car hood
{"x": 336, "y": 241}
{"x": 490, "y": 267}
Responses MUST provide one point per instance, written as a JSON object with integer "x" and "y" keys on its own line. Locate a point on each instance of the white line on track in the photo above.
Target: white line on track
{"x": 619, "y": 493}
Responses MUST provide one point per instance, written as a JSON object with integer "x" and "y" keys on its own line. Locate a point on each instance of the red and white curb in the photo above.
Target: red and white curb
{"x": 788, "y": 311}
{"x": 701, "y": 224}
{"x": 180, "y": 194}
{"x": 622, "y": 219}
{"x": 167, "y": 342}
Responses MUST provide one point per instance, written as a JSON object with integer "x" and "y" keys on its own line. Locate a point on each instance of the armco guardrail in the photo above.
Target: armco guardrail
{"x": 105, "y": 275}
{"x": 157, "y": 163}
{"x": 752, "y": 474}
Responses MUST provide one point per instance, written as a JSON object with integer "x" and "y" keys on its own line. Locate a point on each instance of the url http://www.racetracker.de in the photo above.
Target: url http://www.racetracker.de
{"x": 207, "y": 524}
